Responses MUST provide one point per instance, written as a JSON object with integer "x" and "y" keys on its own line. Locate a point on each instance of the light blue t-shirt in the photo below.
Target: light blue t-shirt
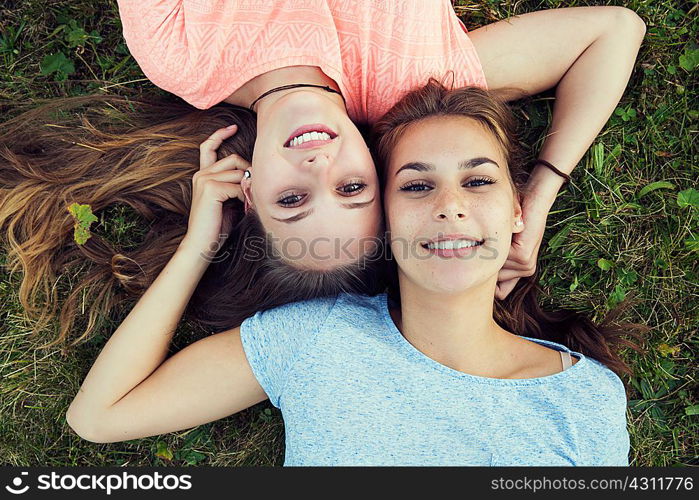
{"x": 353, "y": 391}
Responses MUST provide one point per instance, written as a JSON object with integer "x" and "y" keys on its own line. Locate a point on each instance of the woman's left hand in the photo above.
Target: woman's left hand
{"x": 524, "y": 249}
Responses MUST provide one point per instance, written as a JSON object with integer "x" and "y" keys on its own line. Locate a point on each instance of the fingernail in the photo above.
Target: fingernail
{"x": 230, "y": 127}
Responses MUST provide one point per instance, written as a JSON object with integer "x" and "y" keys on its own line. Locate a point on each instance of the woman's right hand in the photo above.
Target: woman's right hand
{"x": 215, "y": 182}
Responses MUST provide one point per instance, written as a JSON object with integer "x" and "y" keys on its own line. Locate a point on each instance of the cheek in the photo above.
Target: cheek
{"x": 400, "y": 218}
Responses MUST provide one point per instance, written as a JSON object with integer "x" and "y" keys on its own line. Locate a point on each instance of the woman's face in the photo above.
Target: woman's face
{"x": 450, "y": 206}
{"x": 314, "y": 184}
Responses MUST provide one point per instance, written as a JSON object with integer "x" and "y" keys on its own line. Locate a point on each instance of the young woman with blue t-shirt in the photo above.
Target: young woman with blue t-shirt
{"x": 434, "y": 372}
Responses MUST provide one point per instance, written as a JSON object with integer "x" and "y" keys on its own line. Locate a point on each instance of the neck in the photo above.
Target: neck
{"x": 253, "y": 89}
{"x": 456, "y": 330}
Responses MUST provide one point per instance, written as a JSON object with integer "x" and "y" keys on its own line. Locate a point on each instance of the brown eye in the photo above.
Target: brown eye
{"x": 415, "y": 187}
{"x": 352, "y": 188}
{"x": 291, "y": 200}
{"x": 479, "y": 181}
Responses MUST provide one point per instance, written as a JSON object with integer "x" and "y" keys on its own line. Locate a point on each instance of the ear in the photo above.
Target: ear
{"x": 518, "y": 224}
{"x": 247, "y": 192}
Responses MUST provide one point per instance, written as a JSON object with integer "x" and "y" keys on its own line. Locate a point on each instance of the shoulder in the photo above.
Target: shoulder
{"x": 601, "y": 392}
{"x": 358, "y": 310}
{"x": 304, "y": 314}
{"x": 607, "y": 440}
{"x": 311, "y": 314}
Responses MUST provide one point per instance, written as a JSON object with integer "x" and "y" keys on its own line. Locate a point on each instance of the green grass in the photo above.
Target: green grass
{"x": 626, "y": 227}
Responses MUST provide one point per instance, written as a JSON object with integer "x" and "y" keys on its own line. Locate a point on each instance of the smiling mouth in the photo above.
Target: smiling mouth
{"x": 451, "y": 244}
{"x": 310, "y": 136}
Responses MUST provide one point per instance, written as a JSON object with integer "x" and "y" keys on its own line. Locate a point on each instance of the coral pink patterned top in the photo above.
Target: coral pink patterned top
{"x": 376, "y": 50}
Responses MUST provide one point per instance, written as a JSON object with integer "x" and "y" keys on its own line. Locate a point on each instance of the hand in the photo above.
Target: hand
{"x": 215, "y": 182}
{"x": 524, "y": 250}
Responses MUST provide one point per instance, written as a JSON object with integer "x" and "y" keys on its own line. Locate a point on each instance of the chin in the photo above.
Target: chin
{"x": 451, "y": 283}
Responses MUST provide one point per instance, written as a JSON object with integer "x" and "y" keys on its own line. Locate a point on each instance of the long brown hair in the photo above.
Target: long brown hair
{"x": 107, "y": 152}
{"x": 520, "y": 312}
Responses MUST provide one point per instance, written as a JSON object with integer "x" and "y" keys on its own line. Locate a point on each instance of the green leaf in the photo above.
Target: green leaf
{"x": 57, "y": 63}
{"x": 690, "y": 59}
{"x": 654, "y": 186}
{"x": 83, "y": 219}
{"x": 667, "y": 350}
{"x": 598, "y": 158}
{"x": 691, "y": 410}
{"x": 574, "y": 284}
{"x": 628, "y": 277}
{"x": 626, "y": 114}
{"x": 617, "y": 296}
{"x": 615, "y": 152}
{"x": 163, "y": 451}
{"x": 76, "y": 37}
{"x": 604, "y": 264}
{"x": 661, "y": 263}
{"x": 688, "y": 198}
{"x": 692, "y": 243}
{"x": 194, "y": 457}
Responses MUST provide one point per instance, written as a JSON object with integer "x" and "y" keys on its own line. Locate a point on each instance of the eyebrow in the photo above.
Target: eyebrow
{"x": 302, "y": 215}
{"x": 464, "y": 164}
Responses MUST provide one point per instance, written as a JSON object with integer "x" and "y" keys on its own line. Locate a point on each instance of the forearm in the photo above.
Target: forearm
{"x": 586, "y": 96}
{"x": 140, "y": 344}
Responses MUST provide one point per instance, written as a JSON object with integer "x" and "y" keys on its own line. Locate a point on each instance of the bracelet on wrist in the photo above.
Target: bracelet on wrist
{"x": 566, "y": 177}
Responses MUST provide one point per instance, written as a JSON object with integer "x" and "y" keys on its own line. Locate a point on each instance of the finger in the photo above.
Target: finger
{"x": 222, "y": 190}
{"x": 234, "y": 176}
{"x": 229, "y": 162}
{"x": 513, "y": 262}
{"x": 505, "y": 287}
{"x": 207, "y": 149}
{"x": 508, "y": 274}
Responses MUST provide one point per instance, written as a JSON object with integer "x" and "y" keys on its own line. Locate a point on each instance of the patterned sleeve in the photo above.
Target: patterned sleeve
{"x": 273, "y": 340}
{"x": 153, "y": 31}
{"x": 179, "y": 44}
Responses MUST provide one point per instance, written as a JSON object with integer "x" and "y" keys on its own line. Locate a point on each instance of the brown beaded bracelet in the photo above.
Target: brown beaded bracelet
{"x": 565, "y": 176}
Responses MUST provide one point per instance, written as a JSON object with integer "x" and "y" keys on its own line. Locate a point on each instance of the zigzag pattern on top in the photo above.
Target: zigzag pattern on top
{"x": 376, "y": 50}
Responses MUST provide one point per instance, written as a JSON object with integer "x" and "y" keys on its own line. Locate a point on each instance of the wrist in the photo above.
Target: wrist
{"x": 543, "y": 186}
{"x": 194, "y": 252}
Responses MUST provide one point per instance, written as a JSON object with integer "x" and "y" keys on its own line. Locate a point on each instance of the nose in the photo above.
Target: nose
{"x": 317, "y": 160}
{"x": 449, "y": 206}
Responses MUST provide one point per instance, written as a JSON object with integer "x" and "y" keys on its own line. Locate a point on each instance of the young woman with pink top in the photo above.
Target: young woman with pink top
{"x": 373, "y": 52}
{"x": 308, "y": 189}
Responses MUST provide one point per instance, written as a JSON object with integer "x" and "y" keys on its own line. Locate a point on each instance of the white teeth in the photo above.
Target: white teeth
{"x": 309, "y": 136}
{"x": 452, "y": 244}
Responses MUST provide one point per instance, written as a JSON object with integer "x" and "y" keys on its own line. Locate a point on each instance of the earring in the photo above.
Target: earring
{"x": 519, "y": 223}
{"x": 247, "y": 174}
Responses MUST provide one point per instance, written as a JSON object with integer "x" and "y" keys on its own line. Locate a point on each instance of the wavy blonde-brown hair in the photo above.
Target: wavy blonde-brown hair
{"x": 107, "y": 152}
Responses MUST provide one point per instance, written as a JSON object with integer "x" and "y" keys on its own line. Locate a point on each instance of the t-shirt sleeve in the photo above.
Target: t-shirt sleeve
{"x": 275, "y": 339}
{"x": 617, "y": 449}
{"x": 154, "y": 31}
{"x": 178, "y": 44}
{"x": 614, "y": 449}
